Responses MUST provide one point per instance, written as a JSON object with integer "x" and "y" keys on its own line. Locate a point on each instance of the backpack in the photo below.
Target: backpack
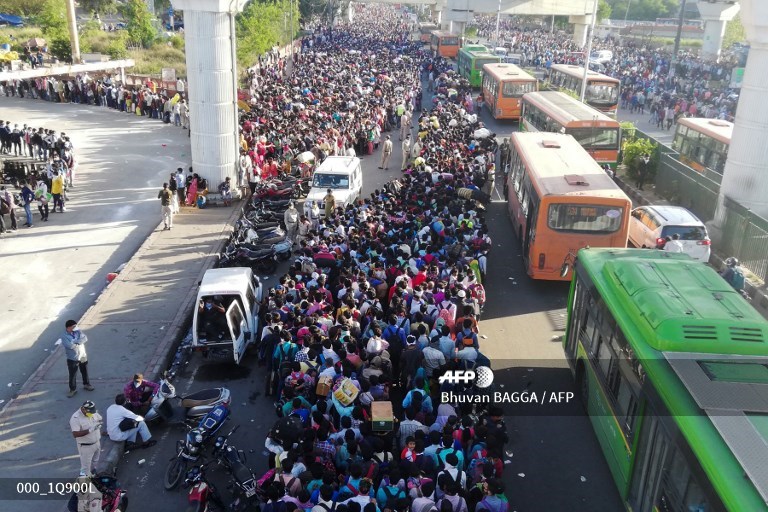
{"x": 737, "y": 280}
{"x": 392, "y": 336}
{"x": 478, "y": 292}
{"x": 332, "y": 508}
{"x": 446, "y": 315}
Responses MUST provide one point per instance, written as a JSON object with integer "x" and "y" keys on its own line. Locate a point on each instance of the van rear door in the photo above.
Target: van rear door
{"x": 237, "y": 330}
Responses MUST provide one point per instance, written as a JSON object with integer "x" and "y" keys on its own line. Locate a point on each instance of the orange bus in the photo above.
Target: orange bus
{"x": 425, "y": 31}
{"x": 503, "y": 87}
{"x": 602, "y": 91}
{"x": 445, "y": 43}
{"x": 560, "y": 201}
{"x": 554, "y": 111}
{"x": 703, "y": 143}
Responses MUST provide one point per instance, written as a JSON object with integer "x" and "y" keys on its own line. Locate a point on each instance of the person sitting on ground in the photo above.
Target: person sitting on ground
{"x": 124, "y": 425}
{"x": 225, "y": 189}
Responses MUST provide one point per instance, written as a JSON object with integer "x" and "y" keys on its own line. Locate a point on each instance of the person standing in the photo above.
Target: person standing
{"x": 386, "y": 154}
{"x": 181, "y": 186}
{"x": 74, "y": 341}
{"x": 405, "y": 124}
{"x": 86, "y": 429}
{"x": 330, "y": 203}
{"x": 173, "y": 186}
{"x": 406, "y": 151}
{"x": 166, "y": 206}
{"x": 57, "y": 189}
{"x": 673, "y": 244}
{"x": 291, "y": 219}
{"x": 27, "y": 195}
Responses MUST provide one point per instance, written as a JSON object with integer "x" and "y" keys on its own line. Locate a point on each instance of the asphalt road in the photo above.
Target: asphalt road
{"x": 54, "y": 271}
{"x": 553, "y": 461}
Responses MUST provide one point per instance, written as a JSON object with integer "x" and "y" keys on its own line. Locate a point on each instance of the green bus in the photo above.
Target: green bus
{"x": 672, "y": 366}
{"x": 469, "y": 64}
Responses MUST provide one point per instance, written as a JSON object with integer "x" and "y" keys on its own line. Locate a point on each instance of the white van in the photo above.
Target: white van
{"x": 238, "y": 291}
{"x": 601, "y": 56}
{"x": 343, "y": 175}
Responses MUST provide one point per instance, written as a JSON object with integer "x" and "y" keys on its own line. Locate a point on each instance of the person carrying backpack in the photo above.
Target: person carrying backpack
{"x": 733, "y": 274}
{"x": 494, "y": 500}
{"x": 396, "y": 338}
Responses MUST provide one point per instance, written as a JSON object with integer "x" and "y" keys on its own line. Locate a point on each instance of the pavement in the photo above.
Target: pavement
{"x": 132, "y": 327}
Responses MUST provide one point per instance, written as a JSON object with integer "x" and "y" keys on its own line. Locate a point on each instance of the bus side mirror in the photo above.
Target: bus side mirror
{"x": 565, "y": 269}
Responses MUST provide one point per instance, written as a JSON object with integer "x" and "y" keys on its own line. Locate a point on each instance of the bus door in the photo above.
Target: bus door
{"x": 650, "y": 461}
{"x": 530, "y": 229}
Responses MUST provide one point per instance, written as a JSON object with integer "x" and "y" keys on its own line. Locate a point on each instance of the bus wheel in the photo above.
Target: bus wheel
{"x": 582, "y": 385}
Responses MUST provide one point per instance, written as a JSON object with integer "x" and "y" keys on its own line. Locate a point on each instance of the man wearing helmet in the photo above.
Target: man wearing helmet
{"x": 85, "y": 424}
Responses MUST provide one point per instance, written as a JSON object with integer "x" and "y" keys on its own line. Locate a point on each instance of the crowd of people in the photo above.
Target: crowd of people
{"x": 696, "y": 87}
{"x": 46, "y": 188}
{"x": 386, "y": 293}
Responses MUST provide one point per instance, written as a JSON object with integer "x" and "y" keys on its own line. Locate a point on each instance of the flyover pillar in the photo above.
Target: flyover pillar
{"x": 209, "y": 33}
{"x": 744, "y": 178}
{"x": 581, "y": 26}
{"x": 715, "y": 16}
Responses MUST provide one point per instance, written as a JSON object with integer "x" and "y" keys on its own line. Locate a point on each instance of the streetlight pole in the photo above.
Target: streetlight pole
{"x": 626, "y": 14}
{"x": 590, "y": 35}
{"x": 292, "y": 32}
{"x": 679, "y": 30}
{"x": 498, "y": 19}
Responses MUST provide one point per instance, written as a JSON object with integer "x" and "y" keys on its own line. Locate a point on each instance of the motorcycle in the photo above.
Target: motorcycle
{"x": 113, "y": 497}
{"x": 282, "y": 249}
{"x": 189, "y": 449}
{"x": 263, "y": 260}
{"x": 193, "y": 406}
{"x": 244, "y": 481}
{"x": 201, "y": 491}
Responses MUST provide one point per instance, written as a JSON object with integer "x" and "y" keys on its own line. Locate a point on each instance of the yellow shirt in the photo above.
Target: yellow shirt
{"x": 57, "y": 185}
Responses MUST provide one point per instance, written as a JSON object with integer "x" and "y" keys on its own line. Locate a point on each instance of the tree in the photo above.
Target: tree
{"x": 734, "y": 32}
{"x": 21, "y": 7}
{"x": 98, "y": 6}
{"x": 640, "y": 158}
{"x": 603, "y": 10}
{"x": 52, "y": 19}
{"x": 645, "y": 9}
{"x": 262, "y": 25}
{"x": 139, "y": 23}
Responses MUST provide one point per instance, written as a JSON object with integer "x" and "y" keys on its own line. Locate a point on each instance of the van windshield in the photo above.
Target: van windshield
{"x": 335, "y": 181}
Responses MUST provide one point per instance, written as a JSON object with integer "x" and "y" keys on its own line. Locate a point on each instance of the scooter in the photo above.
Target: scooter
{"x": 189, "y": 449}
{"x": 193, "y": 406}
{"x": 201, "y": 491}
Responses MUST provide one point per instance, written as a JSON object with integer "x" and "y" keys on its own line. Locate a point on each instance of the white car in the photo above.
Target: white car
{"x": 649, "y": 227}
{"x": 343, "y": 175}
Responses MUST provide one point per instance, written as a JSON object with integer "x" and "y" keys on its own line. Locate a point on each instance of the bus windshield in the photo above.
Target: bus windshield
{"x": 596, "y": 138}
{"x": 323, "y": 180}
{"x": 449, "y": 41}
{"x": 602, "y": 93}
{"x": 517, "y": 89}
{"x": 584, "y": 218}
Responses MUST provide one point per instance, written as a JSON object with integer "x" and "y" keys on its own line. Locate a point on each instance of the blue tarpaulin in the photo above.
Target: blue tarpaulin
{"x": 10, "y": 19}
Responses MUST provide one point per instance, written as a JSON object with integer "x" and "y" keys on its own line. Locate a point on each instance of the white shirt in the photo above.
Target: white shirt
{"x": 80, "y": 421}
{"x": 116, "y": 414}
{"x": 673, "y": 246}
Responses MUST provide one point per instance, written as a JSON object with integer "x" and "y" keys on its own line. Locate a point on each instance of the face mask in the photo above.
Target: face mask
{"x": 209, "y": 306}
{"x": 137, "y": 384}
{"x": 88, "y": 414}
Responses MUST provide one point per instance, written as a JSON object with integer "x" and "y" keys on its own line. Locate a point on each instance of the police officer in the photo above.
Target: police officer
{"x": 86, "y": 424}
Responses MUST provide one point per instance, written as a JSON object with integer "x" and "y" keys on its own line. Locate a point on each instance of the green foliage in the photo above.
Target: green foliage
{"x": 734, "y": 32}
{"x": 21, "y": 7}
{"x": 634, "y": 149}
{"x": 60, "y": 48}
{"x": 310, "y": 8}
{"x": 176, "y": 41}
{"x": 117, "y": 47}
{"x": 152, "y": 60}
{"x": 98, "y": 6}
{"x": 262, "y": 25}
{"x": 647, "y": 10}
{"x": 470, "y": 32}
{"x": 52, "y": 19}
{"x": 603, "y": 10}
{"x": 139, "y": 23}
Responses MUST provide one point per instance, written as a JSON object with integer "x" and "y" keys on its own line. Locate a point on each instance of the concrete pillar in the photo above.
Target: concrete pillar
{"x": 350, "y": 12}
{"x": 209, "y": 33}
{"x": 74, "y": 38}
{"x": 744, "y": 177}
{"x": 715, "y": 16}
{"x": 581, "y": 26}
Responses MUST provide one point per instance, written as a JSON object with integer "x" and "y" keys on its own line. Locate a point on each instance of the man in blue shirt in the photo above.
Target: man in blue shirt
{"x": 74, "y": 344}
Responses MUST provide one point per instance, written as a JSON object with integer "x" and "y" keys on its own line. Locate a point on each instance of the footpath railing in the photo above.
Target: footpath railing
{"x": 744, "y": 234}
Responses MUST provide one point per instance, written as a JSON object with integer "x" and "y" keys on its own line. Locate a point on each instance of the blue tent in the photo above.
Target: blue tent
{"x": 10, "y": 19}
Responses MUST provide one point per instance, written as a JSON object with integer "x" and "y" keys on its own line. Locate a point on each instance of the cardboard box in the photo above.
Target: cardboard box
{"x": 345, "y": 392}
{"x": 382, "y": 417}
{"x": 323, "y": 386}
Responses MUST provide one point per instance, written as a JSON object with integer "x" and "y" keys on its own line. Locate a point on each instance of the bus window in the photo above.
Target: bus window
{"x": 584, "y": 218}
{"x": 449, "y": 41}
{"x": 601, "y": 92}
{"x": 517, "y": 89}
{"x": 604, "y": 138}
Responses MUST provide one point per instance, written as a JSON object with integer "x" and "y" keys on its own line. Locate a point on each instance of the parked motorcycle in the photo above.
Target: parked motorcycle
{"x": 243, "y": 479}
{"x": 189, "y": 449}
{"x": 193, "y": 406}
{"x": 113, "y": 497}
{"x": 201, "y": 491}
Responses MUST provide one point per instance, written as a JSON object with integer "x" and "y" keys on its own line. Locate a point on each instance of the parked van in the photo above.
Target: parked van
{"x": 227, "y": 310}
{"x": 601, "y": 56}
{"x": 343, "y": 175}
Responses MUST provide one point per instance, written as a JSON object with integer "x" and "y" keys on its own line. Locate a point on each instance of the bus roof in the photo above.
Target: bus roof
{"x": 704, "y": 348}
{"x": 564, "y": 109}
{"x": 427, "y": 24}
{"x": 562, "y": 167}
{"x": 474, "y": 48}
{"x": 718, "y": 129}
{"x": 504, "y": 71}
{"x": 443, "y": 33}
{"x": 578, "y": 71}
